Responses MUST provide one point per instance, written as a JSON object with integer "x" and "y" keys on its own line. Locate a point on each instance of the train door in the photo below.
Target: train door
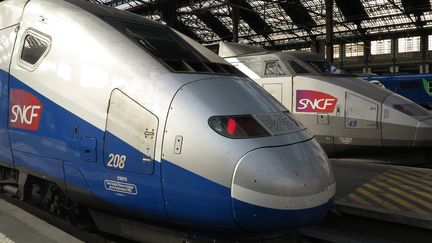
{"x": 316, "y": 105}
{"x": 361, "y": 126}
{"x": 131, "y": 175}
{"x": 130, "y": 136}
{"x": 10, "y": 16}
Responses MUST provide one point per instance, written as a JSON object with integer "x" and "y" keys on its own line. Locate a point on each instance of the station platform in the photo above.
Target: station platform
{"x": 17, "y": 225}
{"x": 392, "y": 193}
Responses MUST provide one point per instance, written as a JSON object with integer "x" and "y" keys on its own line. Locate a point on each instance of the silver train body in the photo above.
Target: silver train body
{"x": 348, "y": 116}
{"x": 131, "y": 118}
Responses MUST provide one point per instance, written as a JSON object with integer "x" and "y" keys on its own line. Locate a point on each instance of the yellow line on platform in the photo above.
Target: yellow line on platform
{"x": 411, "y": 171}
{"x": 405, "y": 194}
{"x": 414, "y": 198}
{"x": 424, "y": 194}
{"x": 370, "y": 195}
{"x": 358, "y": 199}
{"x": 412, "y": 177}
{"x": 397, "y": 177}
{"x": 405, "y": 203}
{"x": 373, "y": 187}
{"x": 377, "y": 199}
{"x": 409, "y": 188}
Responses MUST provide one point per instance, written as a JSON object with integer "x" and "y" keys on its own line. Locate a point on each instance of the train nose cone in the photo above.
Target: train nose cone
{"x": 423, "y": 135}
{"x": 282, "y": 187}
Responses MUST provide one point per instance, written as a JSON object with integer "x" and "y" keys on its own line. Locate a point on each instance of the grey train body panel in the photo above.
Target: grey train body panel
{"x": 184, "y": 121}
{"x": 364, "y": 118}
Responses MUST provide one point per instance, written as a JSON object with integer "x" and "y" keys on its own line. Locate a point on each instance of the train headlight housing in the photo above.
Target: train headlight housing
{"x": 239, "y": 126}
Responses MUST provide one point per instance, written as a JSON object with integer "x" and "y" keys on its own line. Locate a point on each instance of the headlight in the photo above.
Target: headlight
{"x": 241, "y": 126}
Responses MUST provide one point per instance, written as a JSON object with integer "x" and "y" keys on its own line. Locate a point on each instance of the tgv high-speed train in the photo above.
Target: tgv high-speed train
{"x": 349, "y": 116}
{"x": 107, "y": 111}
{"x": 416, "y": 87}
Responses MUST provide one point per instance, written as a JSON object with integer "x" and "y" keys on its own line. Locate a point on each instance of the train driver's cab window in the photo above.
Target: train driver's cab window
{"x": 34, "y": 48}
{"x": 298, "y": 69}
{"x": 273, "y": 69}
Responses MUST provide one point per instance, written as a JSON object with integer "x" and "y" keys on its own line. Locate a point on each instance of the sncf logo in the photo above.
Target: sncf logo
{"x": 25, "y": 110}
{"x": 315, "y": 101}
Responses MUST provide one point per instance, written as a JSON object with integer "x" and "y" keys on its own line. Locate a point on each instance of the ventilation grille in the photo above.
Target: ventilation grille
{"x": 202, "y": 67}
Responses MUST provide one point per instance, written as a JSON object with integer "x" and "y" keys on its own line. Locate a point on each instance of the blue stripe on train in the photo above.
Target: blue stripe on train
{"x": 55, "y": 148}
{"x": 5, "y": 152}
{"x": 254, "y": 218}
{"x": 193, "y": 199}
{"x": 189, "y": 198}
{"x": 45, "y": 150}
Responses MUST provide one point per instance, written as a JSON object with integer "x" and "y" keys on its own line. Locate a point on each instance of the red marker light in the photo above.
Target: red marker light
{"x": 231, "y": 126}
{"x": 239, "y": 126}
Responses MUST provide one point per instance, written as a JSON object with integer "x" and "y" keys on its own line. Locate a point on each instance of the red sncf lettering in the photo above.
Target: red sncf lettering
{"x": 320, "y": 104}
{"x": 315, "y": 101}
{"x": 25, "y": 110}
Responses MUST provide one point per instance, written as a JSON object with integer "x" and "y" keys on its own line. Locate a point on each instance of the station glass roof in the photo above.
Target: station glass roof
{"x": 283, "y": 22}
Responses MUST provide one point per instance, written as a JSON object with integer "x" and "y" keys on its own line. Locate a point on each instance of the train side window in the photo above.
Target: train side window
{"x": 297, "y": 67}
{"x": 273, "y": 69}
{"x": 34, "y": 48}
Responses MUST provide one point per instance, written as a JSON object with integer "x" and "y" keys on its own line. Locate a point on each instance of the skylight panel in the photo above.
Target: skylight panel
{"x": 125, "y": 4}
{"x": 222, "y": 13}
{"x": 282, "y": 36}
{"x": 199, "y": 27}
{"x": 155, "y": 17}
{"x": 316, "y": 10}
{"x": 427, "y": 16}
{"x": 378, "y": 8}
{"x": 386, "y": 21}
{"x": 245, "y": 29}
{"x": 274, "y": 16}
{"x": 384, "y": 16}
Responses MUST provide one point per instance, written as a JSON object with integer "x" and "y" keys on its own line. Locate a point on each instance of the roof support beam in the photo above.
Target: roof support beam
{"x": 353, "y": 11}
{"x": 146, "y": 9}
{"x": 169, "y": 14}
{"x": 329, "y": 29}
{"x": 406, "y": 13}
{"x": 156, "y": 6}
{"x": 301, "y": 17}
{"x": 299, "y": 14}
{"x": 415, "y": 7}
{"x": 252, "y": 18}
{"x": 214, "y": 24}
{"x": 235, "y": 15}
{"x": 115, "y": 3}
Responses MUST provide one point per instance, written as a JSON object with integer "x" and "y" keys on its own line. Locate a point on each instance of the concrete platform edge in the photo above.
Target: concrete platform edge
{"x": 382, "y": 214}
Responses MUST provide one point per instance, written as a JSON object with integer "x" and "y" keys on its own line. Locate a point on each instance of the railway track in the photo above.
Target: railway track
{"x": 339, "y": 226}
{"x": 159, "y": 236}
{"x": 85, "y": 235}
{"x": 342, "y": 228}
